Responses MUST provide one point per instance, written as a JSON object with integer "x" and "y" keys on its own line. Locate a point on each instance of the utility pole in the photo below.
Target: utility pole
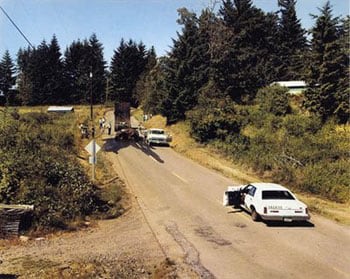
{"x": 92, "y": 130}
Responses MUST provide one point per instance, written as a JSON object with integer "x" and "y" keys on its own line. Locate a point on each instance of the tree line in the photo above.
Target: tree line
{"x": 222, "y": 56}
{"x": 42, "y": 75}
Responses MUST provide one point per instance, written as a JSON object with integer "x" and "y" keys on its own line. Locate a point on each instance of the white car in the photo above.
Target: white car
{"x": 267, "y": 201}
{"x": 157, "y": 136}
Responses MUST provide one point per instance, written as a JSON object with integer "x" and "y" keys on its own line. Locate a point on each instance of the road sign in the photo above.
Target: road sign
{"x": 89, "y": 147}
{"x": 92, "y": 160}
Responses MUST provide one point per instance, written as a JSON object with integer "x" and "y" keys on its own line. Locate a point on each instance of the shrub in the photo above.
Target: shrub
{"x": 299, "y": 125}
{"x": 39, "y": 168}
{"x": 214, "y": 122}
{"x": 330, "y": 180}
{"x": 273, "y": 99}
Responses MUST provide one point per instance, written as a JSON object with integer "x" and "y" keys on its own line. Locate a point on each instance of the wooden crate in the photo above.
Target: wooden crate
{"x": 10, "y": 218}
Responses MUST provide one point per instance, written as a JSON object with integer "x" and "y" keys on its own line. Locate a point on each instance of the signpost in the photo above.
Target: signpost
{"x": 93, "y": 148}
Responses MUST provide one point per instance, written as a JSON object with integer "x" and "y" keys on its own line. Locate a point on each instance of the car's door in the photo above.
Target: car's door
{"x": 231, "y": 198}
{"x": 249, "y": 199}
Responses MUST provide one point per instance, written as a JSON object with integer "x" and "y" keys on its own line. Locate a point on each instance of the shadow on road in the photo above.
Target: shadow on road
{"x": 111, "y": 145}
{"x": 281, "y": 224}
{"x": 295, "y": 224}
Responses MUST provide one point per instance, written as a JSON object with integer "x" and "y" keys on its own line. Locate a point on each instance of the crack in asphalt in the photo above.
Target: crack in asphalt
{"x": 191, "y": 254}
{"x": 208, "y": 233}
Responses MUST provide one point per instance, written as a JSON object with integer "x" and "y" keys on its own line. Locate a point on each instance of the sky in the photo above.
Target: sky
{"x": 151, "y": 21}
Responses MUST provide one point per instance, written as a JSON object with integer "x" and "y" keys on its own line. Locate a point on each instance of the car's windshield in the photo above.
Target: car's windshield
{"x": 157, "y": 132}
{"x": 277, "y": 195}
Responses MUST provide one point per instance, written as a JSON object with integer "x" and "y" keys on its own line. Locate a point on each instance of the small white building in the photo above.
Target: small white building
{"x": 60, "y": 109}
{"x": 294, "y": 86}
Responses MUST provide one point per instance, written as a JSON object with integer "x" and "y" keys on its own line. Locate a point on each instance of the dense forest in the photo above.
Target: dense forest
{"x": 217, "y": 78}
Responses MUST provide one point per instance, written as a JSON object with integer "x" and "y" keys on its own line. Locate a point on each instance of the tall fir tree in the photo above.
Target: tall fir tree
{"x": 7, "y": 77}
{"x": 55, "y": 87}
{"x": 77, "y": 72}
{"x": 241, "y": 65}
{"x": 187, "y": 68}
{"x": 291, "y": 42}
{"x": 24, "y": 82}
{"x": 41, "y": 74}
{"x": 80, "y": 59}
{"x": 343, "y": 91}
{"x": 128, "y": 63}
{"x": 98, "y": 69}
{"x": 324, "y": 73}
{"x": 155, "y": 88}
{"x": 140, "y": 90}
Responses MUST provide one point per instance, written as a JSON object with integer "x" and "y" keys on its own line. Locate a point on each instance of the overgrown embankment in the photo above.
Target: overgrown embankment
{"x": 39, "y": 166}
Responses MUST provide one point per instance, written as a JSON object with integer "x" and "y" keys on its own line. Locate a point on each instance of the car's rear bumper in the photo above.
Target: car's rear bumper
{"x": 285, "y": 218}
{"x": 155, "y": 141}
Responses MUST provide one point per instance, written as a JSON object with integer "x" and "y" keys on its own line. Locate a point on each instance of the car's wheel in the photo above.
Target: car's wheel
{"x": 255, "y": 215}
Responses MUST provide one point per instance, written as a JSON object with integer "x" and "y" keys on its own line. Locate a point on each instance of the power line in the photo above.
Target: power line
{"x": 14, "y": 24}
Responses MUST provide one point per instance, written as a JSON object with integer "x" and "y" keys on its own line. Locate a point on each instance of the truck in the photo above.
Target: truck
{"x": 121, "y": 116}
{"x": 122, "y": 126}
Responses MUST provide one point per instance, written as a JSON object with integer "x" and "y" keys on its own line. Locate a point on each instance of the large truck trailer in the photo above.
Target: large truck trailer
{"x": 121, "y": 116}
{"x": 122, "y": 126}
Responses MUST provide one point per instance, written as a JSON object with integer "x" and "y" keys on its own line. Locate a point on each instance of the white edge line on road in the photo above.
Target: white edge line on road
{"x": 179, "y": 177}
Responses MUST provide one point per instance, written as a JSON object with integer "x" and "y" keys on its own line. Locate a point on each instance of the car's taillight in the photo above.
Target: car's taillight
{"x": 306, "y": 210}
{"x": 265, "y": 210}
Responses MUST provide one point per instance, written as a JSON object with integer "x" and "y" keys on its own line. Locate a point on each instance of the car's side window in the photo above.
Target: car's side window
{"x": 252, "y": 191}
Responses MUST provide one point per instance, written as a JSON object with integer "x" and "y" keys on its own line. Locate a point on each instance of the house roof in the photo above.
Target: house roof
{"x": 291, "y": 83}
{"x": 60, "y": 109}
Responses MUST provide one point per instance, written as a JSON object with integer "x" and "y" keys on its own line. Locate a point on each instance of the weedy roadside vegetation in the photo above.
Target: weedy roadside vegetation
{"x": 40, "y": 166}
{"x": 283, "y": 145}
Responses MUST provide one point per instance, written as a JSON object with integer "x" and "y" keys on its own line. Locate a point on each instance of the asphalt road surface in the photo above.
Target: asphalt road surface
{"x": 182, "y": 202}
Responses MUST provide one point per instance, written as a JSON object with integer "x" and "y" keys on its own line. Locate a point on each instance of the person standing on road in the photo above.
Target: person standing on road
{"x": 109, "y": 127}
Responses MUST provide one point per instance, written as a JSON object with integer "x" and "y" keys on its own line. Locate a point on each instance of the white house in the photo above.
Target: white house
{"x": 294, "y": 86}
{"x": 60, "y": 109}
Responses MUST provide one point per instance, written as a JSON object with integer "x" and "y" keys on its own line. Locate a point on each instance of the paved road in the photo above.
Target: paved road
{"x": 182, "y": 202}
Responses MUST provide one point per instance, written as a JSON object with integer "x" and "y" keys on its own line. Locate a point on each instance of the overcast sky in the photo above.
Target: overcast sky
{"x": 151, "y": 21}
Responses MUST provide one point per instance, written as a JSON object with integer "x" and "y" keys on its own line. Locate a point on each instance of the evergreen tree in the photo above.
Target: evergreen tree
{"x": 187, "y": 68}
{"x": 324, "y": 73}
{"x": 155, "y": 93}
{"x": 98, "y": 69}
{"x": 77, "y": 72}
{"x": 242, "y": 66}
{"x": 291, "y": 42}
{"x": 140, "y": 90}
{"x": 55, "y": 88}
{"x": 7, "y": 76}
{"x": 343, "y": 91}
{"x": 81, "y": 59}
{"x": 41, "y": 71}
{"x": 180, "y": 94}
{"x": 24, "y": 82}
{"x": 38, "y": 70}
{"x": 128, "y": 63}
